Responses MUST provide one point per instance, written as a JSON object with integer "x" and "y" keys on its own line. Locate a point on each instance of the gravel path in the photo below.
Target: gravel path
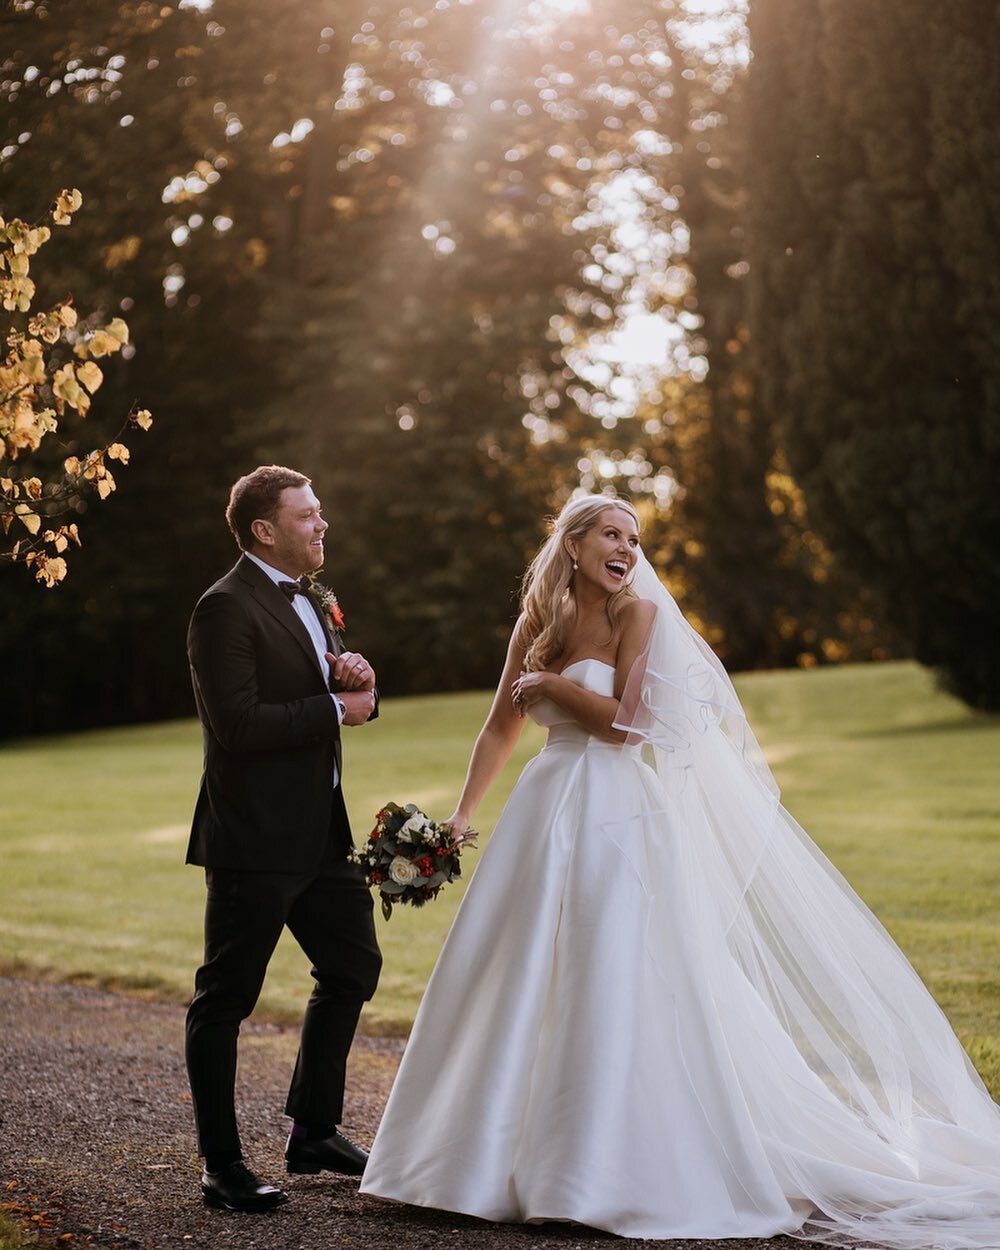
{"x": 96, "y": 1142}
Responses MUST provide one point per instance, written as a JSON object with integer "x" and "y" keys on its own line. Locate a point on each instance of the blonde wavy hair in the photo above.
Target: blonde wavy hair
{"x": 547, "y": 601}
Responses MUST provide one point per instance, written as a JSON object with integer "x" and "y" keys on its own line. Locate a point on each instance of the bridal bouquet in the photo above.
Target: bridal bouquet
{"x": 409, "y": 856}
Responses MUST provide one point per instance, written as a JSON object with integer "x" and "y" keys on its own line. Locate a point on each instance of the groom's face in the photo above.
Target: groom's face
{"x": 293, "y": 540}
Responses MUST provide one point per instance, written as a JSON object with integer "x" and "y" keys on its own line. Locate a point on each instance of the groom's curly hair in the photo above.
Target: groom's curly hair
{"x": 256, "y": 496}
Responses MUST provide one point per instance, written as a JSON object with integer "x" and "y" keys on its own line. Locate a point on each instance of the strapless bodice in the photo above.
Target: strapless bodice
{"x": 590, "y": 674}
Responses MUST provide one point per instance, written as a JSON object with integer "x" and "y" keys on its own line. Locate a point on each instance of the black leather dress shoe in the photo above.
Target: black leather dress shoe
{"x": 236, "y": 1187}
{"x": 330, "y": 1154}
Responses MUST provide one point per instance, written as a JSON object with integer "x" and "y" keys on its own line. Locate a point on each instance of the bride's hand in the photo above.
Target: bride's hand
{"x": 528, "y": 688}
{"x": 461, "y": 830}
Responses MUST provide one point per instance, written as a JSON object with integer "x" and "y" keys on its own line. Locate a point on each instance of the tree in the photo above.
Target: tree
{"x": 875, "y": 306}
{"x": 375, "y": 241}
{"x": 38, "y": 384}
{"x": 93, "y": 95}
{"x": 444, "y": 261}
{"x": 723, "y": 518}
{"x": 245, "y": 182}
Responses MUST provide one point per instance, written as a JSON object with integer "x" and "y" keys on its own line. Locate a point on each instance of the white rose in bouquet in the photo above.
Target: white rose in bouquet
{"x": 415, "y": 824}
{"x": 403, "y": 871}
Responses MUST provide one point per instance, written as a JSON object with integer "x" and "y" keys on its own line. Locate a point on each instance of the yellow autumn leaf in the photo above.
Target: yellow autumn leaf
{"x": 67, "y": 389}
{"x": 118, "y": 451}
{"x": 50, "y": 569}
{"x": 105, "y": 485}
{"x": 118, "y": 329}
{"x": 90, "y": 375}
{"x": 16, "y": 231}
{"x": 142, "y": 419}
{"x": 72, "y": 466}
{"x": 32, "y": 364}
{"x": 26, "y": 293}
{"x": 66, "y": 314}
{"x": 32, "y": 487}
{"x": 31, "y": 521}
{"x": 17, "y": 294}
{"x": 67, "y": 202}
{"x": 26, "y": 428}
{"x": 33, "y": 239}
{"x": 100, "y": 343}
{"x": 7, "y": 485}
{"x": 46, "y": 326}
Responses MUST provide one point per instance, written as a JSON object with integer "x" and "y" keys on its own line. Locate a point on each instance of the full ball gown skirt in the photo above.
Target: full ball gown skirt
{"x": 591, "y": 1048}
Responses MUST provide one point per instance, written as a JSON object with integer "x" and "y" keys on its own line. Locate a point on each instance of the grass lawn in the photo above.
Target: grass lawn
{"x": 897, "y": 782}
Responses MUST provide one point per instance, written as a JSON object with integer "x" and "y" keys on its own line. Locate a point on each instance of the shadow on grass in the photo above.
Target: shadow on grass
{"x": 981, "y": 721}
{"x": 150, "y": 989}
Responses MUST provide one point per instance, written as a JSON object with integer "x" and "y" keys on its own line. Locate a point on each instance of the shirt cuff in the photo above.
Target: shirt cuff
{"x": 339, "y": 707}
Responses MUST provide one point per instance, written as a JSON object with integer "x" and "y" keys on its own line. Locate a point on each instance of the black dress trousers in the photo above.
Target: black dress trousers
{"x": 329, "y": 913}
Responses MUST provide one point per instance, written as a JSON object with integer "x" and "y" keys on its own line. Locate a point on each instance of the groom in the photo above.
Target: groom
{"x": 274, "y": 686}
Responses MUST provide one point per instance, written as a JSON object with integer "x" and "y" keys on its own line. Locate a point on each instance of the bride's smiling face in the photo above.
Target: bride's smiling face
{"x": 607, "y": 553}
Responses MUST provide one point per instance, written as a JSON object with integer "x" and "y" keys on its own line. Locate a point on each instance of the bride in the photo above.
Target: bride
{"x": 660, "y": 1010}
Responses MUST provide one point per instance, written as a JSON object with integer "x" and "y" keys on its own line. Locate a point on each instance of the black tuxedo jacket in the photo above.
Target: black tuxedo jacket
{"x": 272, "y": 738}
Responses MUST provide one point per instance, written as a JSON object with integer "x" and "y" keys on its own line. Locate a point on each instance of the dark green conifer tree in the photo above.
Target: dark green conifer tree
{"x": 874, "y": 188}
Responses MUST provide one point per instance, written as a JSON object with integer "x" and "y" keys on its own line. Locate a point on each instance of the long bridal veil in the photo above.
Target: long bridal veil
{"x": 871, "y": 1116}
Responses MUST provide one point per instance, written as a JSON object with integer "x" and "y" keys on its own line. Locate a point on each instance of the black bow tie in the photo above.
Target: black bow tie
{"x": 291, "y": 589}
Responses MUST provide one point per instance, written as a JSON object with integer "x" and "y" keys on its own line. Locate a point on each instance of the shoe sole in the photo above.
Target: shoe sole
{"x": 314, "y": 1169}
{"x": 212, "y": 1199}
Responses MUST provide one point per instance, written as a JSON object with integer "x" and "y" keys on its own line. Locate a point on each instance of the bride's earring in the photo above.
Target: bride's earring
{"x": 575, "y": 566}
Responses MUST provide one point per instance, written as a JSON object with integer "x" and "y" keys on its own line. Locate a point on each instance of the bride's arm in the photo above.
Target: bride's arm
{"x": 595, "y": 712}
{"x": 496, "y": 740}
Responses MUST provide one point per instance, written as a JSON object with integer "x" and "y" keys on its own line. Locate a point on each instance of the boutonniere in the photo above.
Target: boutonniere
{"x": 327, "y": 602}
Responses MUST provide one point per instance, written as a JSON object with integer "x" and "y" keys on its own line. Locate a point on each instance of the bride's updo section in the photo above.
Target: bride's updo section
{"x": 546, "y": 602}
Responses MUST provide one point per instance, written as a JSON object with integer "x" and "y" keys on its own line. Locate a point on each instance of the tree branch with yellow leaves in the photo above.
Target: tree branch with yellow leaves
{"x": 36, "y": 388}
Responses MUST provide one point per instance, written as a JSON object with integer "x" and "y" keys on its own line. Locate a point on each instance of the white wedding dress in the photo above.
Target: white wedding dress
{"x": 660, "y": 1011}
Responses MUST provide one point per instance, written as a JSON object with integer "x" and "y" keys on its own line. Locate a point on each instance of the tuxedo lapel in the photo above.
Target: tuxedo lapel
{"x": 273, "y": 601}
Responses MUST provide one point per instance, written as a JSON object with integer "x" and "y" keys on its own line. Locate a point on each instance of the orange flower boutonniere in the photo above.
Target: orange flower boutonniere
{"x": 329, "y": 607}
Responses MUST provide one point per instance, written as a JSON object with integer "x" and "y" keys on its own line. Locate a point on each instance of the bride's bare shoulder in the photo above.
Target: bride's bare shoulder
{"x": 637, "y": 613}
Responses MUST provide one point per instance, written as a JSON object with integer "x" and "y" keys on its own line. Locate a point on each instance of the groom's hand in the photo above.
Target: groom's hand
{"x": 350, "y": 671}
{"x": 358, "y": 706}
